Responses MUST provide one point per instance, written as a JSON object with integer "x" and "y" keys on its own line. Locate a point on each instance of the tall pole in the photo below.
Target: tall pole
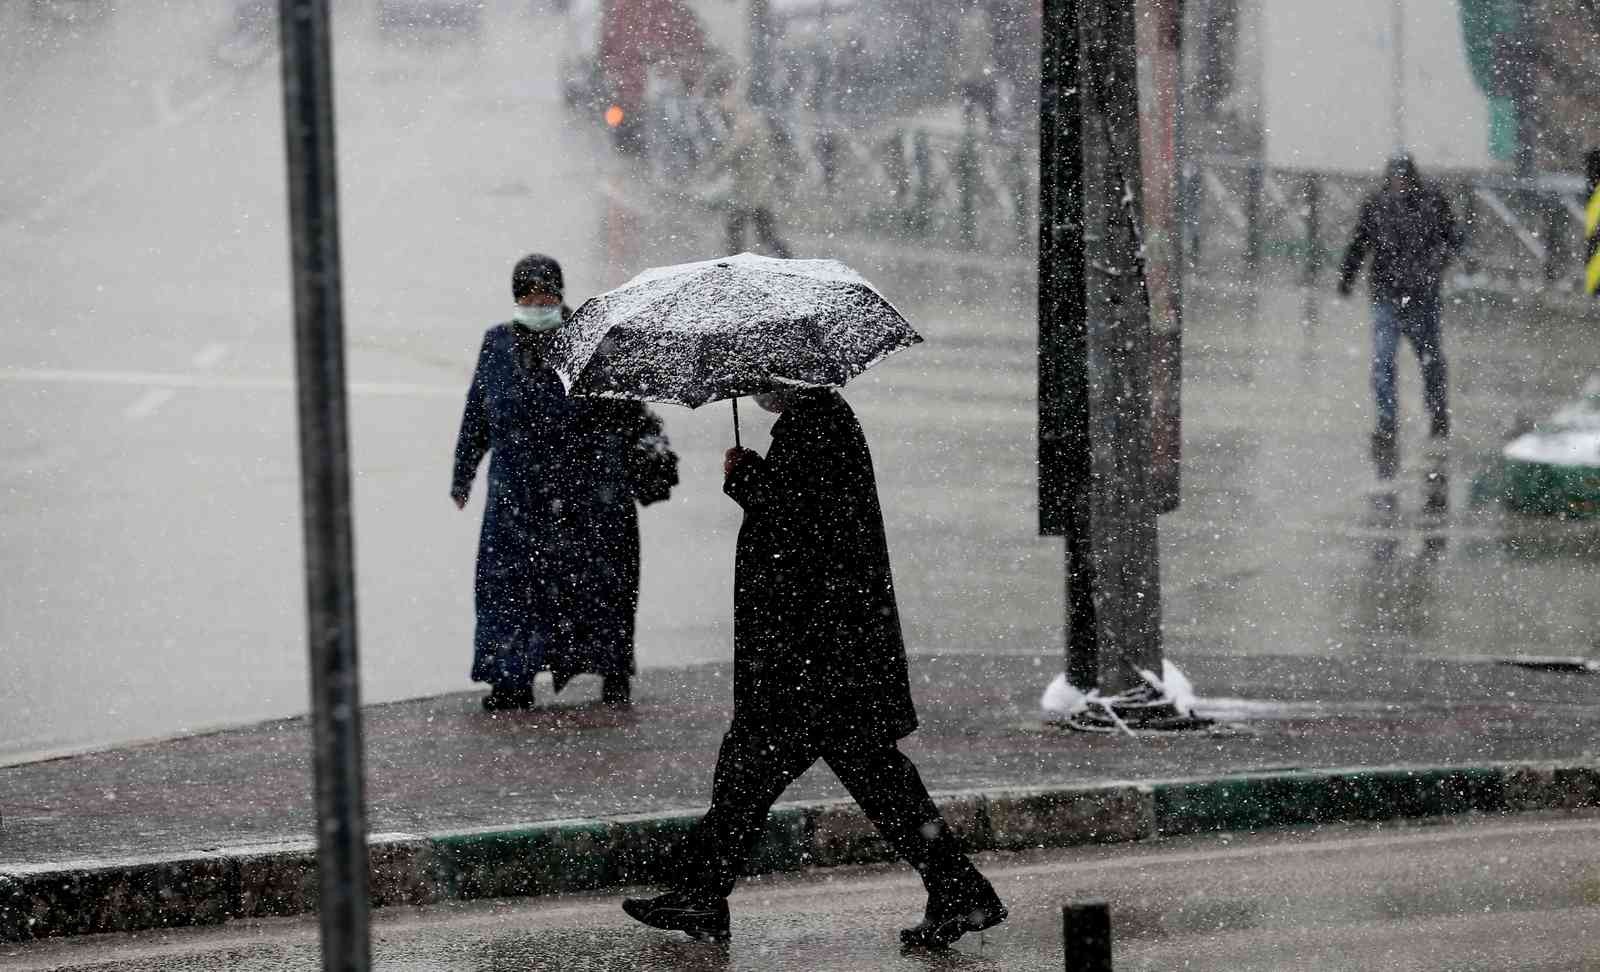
{"x": 1118, "y": 331}
{"x": 325, "y": 484}
{"x": 1160, "y": 32}
{"x": 759, "y": 25}
{"x": 1520, "y": 55}
{"x": 1063, "y": 360}
{"x": 1397, "y": 74}
{"x": 1095, "y": 419}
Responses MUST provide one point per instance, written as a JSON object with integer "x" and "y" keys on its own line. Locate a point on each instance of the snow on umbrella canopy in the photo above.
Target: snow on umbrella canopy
{"x": 701, "y": 332}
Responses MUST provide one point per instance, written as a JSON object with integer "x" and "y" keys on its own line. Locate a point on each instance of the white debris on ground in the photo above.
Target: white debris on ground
{"x": 1174, "y": 686}
{"x": 1062, "y": 700}
{"x": 1570, "y": 437}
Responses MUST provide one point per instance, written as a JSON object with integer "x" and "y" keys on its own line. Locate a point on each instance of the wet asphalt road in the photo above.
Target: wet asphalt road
{"x": 1485, "y": 894}
{"x": 148, "y": 496}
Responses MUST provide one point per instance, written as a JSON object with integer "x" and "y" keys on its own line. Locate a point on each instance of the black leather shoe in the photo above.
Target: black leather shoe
{"x": 701, "y": 920}
{"x": 948, "y": 919}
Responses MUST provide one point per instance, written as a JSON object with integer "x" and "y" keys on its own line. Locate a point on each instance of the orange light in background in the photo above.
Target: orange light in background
{"x": 614, "y": 116}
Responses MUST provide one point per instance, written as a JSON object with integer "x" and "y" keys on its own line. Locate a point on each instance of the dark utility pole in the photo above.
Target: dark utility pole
{"x": 1063, "y": 385}
{"x": 759, "y": 24}
{"x": 1160, "y": 37}
{"x": 1095, "y": 345}
{"x": 325, "y": 484}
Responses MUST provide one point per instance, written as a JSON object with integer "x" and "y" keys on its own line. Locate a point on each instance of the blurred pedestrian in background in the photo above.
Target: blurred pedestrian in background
{"x": 1407, "y": 227}
{"x": 751, "y": 156}
{"x": 557, "y": 582}
{"x": 819, "y": 673}
{"x": 980, "y": 77}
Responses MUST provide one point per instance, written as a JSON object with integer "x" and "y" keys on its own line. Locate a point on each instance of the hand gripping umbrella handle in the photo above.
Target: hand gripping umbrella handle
{"x": 736, "y": 444}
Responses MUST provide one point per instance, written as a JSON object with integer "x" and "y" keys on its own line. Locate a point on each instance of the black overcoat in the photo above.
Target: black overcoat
{"x": 817, "y": 642}
{"x": 557, "y": 583}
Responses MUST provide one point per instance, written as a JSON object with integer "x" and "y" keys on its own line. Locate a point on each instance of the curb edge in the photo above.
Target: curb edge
{"x": 559, "y": 856}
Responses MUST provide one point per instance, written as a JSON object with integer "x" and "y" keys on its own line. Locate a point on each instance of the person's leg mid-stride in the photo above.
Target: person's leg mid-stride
{"x": 753, "y": 769}
{"x": 1385, "y": 342}
{"x": 888, "y": 788}
{"x": 1419, "y": 321}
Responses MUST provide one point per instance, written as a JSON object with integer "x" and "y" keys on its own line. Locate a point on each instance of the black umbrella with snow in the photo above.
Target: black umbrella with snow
{"x": 741, "y": 325}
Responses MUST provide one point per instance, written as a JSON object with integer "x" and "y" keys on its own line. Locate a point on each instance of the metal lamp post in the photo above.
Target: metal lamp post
{"x": 325, "y": 484}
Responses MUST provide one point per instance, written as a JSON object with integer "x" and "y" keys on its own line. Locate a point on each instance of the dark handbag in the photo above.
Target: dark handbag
{"x": 652, "y": 465}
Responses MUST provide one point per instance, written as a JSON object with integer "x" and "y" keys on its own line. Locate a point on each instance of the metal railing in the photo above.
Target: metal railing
{"x": 1520, "y": 232}
{"x": 952, "y": 186}
{"x": 914, "y": 180}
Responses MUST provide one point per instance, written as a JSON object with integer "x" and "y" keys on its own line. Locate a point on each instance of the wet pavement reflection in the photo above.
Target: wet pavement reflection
{"x": 1287, "y": 541}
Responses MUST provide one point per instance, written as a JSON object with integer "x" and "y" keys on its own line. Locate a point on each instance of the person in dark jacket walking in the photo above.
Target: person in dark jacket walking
{"x": 1408, "y": 228}
{"x": 557, "y": 583}
{"x": 819, "y": 673}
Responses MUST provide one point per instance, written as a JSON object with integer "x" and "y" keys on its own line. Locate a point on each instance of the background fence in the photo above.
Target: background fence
{"x": 938, "y": 181}
{"x": 1521, "y": 233}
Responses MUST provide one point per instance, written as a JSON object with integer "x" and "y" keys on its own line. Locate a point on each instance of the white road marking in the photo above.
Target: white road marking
{"x": 176, "y": 381}
{"x": 148, "y": 404}
{"x": 151, "y": 401}
{"x": 209, "y": 356}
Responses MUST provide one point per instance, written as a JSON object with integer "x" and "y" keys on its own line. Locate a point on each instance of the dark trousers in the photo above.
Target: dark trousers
{"x": 760, "y": 220}
{"x": 753, "y": 769}
{"x": 1417, "y": 320}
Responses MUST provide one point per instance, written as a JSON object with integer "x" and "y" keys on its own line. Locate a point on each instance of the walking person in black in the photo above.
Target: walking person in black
{"x": 819, "y": 673}
{"x": 1408, "y": 228}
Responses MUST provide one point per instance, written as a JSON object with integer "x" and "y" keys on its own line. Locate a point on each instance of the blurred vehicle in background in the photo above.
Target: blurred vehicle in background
{"x": 397, "y": 15}
{"x": 619, "y": 51}
{"x": 846, "y": 56}
{"x": 652, "y": 72}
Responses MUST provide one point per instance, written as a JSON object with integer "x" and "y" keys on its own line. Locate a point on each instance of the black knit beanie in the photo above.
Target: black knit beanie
{"x": 536, "y": 273}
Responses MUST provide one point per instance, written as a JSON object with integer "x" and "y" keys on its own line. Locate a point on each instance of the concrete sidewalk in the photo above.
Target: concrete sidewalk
{"x": 575, "y": 795}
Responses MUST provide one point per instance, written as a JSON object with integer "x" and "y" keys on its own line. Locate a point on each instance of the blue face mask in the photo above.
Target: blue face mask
{"x": 538, "y": 318}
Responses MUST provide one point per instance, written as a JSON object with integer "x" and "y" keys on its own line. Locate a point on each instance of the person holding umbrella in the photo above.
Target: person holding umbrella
{"x": 819, "y": 660}
{"x": 557, "y": 581}
{"x": 819, "y": 673}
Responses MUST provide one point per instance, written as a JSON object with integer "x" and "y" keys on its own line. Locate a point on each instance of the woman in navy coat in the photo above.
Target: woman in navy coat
{"x": 557, "y": 581}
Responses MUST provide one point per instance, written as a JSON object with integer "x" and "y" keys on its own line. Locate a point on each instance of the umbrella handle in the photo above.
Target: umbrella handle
{"x": 736, "y": 444}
